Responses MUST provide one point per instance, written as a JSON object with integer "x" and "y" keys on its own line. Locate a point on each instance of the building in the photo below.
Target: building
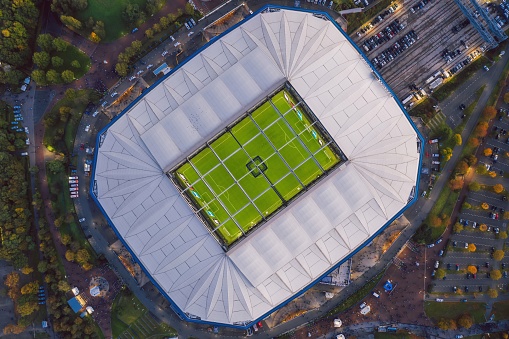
{"x": 348, "y": 110}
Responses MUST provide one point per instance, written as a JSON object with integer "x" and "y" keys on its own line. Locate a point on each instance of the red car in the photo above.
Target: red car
{"x": 82, "y": 147}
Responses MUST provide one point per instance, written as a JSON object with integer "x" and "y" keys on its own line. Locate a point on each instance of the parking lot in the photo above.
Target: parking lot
{"x": 433, "y": 26}
{"x": 482, "y": 222}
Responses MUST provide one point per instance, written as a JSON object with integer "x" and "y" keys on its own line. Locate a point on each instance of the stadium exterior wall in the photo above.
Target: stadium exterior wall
{"x": 174, "y": 306}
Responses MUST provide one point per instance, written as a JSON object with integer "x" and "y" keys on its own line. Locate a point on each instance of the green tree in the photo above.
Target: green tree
{"x": 506, "y": 97}
{"x": 11, "y": 77}
{"x": 52, "y": 76}
{"x": 65, "y": 239}
{"x": 57, "y": 61}
{"x": 67, "y": 76}
{"x": 70, "y": 21}
{"x": 42, "y": 266}
{"x": 440, "y": 273}
{"x": 71, "y": 94}
{"x": 99, "y": 29}
{"x": 90, "y": 23}
{"x": 55, "y": 166}
{"x": 457, "y": 228}
{"x": 471, "y": 160}
{"x": 41, "y": 59}
{"x": 466, "y": 206}
{"x": 149, "y": 33}
{"x": 60, "y": 44}
{"x": 75, "y": 64}
{"x": 69, "y": 255}
{"x": 446, "y": 153}
{"x": 502, "y": 235}
{"x": 447, "y": 324}
{"x": 474, "y": 186}
{"x": 189, "y": 9}
{"x": 131, "y": 13}
{"x": 481, "y": 169}
{"x": 27, "y": 308}
{"x": 63, "y": 286}
{"x": 121, "y": 69}
{"x": 45, "y": 42}
{"x": 39, "y": 76}
{"x": 82, "y": 256}
{"x": 461, "y": 168}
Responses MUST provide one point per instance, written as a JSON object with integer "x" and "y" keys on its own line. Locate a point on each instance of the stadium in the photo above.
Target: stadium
{"x": 256, "y": 167}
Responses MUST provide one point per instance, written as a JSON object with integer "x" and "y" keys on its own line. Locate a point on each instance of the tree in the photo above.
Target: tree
{"x": 472, "y": 269}
{"x": 481, "y": 169}
{"x": 440, "y": 273}
{"x": 481, "y": 130}
{"x": 435, "y": 221}
{"x": 82, "y": 256}
{"x": 506, "y": 97}
{"x": 473, "y": 142}
{"x": 149, "y": 33}
{"x": 70, "y": 21}
{"x": 474, "y": 186}
{"x": 71, "y": 94}
{"x": 42, "y": 266}
{"x": 496, "y": 274}
{"x": 498, "y": 255}
{"x": 41, "y": 59}
{"x": 488, "y": 152}
{"x": 492, "y": 174}
{"x": 99, "y": 29}
{"x": 502, "y": 234}
{"x": 90, "y": 23}
{"x": 498, "y": 188}
{"x": 485, "y": 206}
{"x": 457, "y": 228}
{"x": 457, "y": 139}
{"x": 65, "y": 239}
{"x": 69, "y": 255}
{"x": 472, "y": 247}
{"x": 60, "y": 44}
{"x": 94, "y": 37}
{"x": 57, "y": 61}
{"x": 489, "y": 113}
{"x": 471, "y": 160}
{"x": 45, "y": 42}
{"x": 27, "y": 308}
{"x": 13, "y": 329}
{"x": 505, "y": 215}
{"x": 131, "y": 13}
{"x": 483, "y": 227}
{"x": 465, "y": 321}
{"x": 461, "y": 168}
{"x": 30, "y": 288}
{"x": 164, "y": 22}
{"x": 52, "y": 76}
{"x": 75, "y": 64}
{"x": 67, "y": 76}
{"x": 456, "y": 183}
{"x": 189, "y": 9}
{"x": 55, "y": 166}
{"x": 492, "y": 293}
{"x": 121, "y": 69}
{"x": 39, "y": 76}
{"x": 12, "y": 280}
{"x": 466, "y": 206}
{"x": 27, "y": 270}
{"x": 447, "y": 324}
{"x": 63, "y": 286}
{"x": 446, "y": 153}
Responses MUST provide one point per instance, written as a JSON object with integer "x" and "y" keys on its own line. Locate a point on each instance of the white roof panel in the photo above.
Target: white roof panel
{"x": 299, "y": 244}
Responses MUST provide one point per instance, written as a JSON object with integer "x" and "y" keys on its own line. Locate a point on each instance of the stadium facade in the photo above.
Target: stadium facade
{"x": 310, "y": 237}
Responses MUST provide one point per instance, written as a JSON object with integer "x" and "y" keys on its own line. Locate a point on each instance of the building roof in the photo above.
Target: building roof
{"x": 312, "y": 235}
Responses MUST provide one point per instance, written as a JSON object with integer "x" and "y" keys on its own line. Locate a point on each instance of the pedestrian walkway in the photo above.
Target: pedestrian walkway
{"x": 436, "y": 121}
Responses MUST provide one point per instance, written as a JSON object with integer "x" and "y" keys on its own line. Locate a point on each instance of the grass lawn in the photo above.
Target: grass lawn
{"x": 245, "y": 175}
{"x": 450, "y": 86}
{"x": 109, "y": 12}
{"x": 450, "y": 310}
{"x": 125, "y": 310}
{"x": 70, "y": 54}
{"x": 356, "y": 20}
{"x": 501, "y": 310}
{"x": 424, "y": 110}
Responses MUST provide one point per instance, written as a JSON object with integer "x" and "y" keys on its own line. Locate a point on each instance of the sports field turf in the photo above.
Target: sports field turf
{"x": 255, "y": 167}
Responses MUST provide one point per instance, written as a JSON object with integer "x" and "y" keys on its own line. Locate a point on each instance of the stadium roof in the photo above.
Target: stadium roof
{"x": 311, "y": 236}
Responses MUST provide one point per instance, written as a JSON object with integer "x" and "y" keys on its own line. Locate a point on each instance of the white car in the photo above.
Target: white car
{"x": 81, "y": 220}
{"x": 131, "y": 78}
{"x": 139, "y": 72}
{"x": 187, "y": 25}
{"x": 114, "y": 94}
{"x": 192, "y": 21}
{"x": 164, "y": 53}
{"x": 26, "y": 130}
{"x": 24, "y": 153}
{"x": 87, "y": 128}
{"x": 73, "y": 181}
{"x": 190, "y": 33}
{"x": 172, "y": 38}
{"x": 95, "y": 114}
{"x": 439, "y": 300}
{"x": 176, "y": 44}
{"x": 27, "y": 141}
{"x": 150, "y": 66}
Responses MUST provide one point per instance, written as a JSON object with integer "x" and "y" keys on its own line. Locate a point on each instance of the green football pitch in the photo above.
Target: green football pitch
{"x": 254, "y": 167}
